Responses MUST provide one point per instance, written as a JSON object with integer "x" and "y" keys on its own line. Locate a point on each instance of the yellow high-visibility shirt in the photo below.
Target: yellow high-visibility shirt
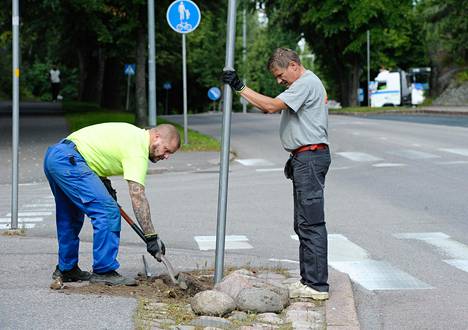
{"x": 114, "y": 149}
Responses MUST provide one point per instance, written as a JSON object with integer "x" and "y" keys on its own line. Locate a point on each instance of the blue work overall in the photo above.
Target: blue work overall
{"x": 79, "y": 191}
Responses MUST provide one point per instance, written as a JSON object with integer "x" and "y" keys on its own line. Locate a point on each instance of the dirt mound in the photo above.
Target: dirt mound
{"x": 159, "y": 287}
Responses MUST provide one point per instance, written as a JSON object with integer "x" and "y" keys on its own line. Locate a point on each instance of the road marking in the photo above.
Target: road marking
{"x": 30, "y": 214}
{"x": 458, "y": 151}
{"x": 22, "y": 220}
{"x": 20, "y": 226}
{"x": 254, "y": 162}
{"x": 232, "y": 242}
{"x": 359, "y": 156}
{"x": 350, "y": 258}
{"x": 27, "y": 206}
{"x": 284, "y": 260}
{"x": 269, "y": 169}
{"x": 388, "y": 165}
{"x": 458, "y": 252}
{"x": 413, "y": 154}
{"x": 454, "y": 162}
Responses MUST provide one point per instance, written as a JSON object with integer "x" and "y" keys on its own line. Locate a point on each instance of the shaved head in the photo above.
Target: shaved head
{"x": 167, "y": 132}
{"x": 164, "y": 141}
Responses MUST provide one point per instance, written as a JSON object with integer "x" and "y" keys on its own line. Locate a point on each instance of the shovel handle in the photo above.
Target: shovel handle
{"x": 132, "y": 224}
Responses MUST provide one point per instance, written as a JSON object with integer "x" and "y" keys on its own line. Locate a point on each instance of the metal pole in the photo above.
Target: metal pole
{"x": 15, "y": 114}
{"x": 151, "y": 66}
{"x": 226, "y": 135}
{"x": 127, "y": 104}
{"x": 244, "y": 50}
{"x": 184, "y": 74}
{"x": 368, "y": 67}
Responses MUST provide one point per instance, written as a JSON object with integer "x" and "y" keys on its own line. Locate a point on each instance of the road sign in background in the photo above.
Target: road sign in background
{"x": 214, "y": 93}
{"x": 130, "y": 69}
{"x": 183, "y": 16}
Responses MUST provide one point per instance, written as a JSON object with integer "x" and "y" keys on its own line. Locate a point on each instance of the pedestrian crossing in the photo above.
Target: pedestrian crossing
{"x": 346, "y": 256}
{"x": 28, "y": 218}
{"x": 385, "y": 159}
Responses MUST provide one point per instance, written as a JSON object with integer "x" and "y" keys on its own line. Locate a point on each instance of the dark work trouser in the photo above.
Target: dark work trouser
{"x": 308, "y": 170}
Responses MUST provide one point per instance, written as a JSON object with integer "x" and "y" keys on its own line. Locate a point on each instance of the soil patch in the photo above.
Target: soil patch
{"x": 158, "y": 288}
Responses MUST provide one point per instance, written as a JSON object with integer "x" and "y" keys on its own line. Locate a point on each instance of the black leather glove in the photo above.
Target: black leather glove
{"x": 155, "y": 246}
{"x": 230, "y": 77}
{"x": 110, "y": 189}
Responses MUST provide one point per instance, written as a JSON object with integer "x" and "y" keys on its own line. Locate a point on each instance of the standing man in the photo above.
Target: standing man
{"x": 303, "y": 133}
{"x": 54, "y": 76}
{"x": 77, "y": 169}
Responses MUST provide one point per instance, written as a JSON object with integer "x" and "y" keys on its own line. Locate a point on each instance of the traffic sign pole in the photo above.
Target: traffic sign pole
{"x": 151, "y": 67}
{"x": 127, "y": 104}
{"x": 15, "y": 114}
{"x": 226, "y": 135}
{"x": 184, "y": 74}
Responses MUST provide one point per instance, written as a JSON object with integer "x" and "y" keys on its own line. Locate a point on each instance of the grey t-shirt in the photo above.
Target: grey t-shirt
{"x": 306, "y": 119}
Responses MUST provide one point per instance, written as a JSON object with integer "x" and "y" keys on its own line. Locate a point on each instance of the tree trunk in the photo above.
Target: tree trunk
{"x": 349, "y": 85}
{"x": 111, "y": 91}
{"x": 101, "y": 62}
{"x": 83, "y": 73}
{"x": 140, "y": 81}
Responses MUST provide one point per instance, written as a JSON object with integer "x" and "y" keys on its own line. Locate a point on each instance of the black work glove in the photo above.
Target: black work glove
{"x": 155, "y": 246}
{"x": 110, "y": 189}
{"x": 230, "y": 77}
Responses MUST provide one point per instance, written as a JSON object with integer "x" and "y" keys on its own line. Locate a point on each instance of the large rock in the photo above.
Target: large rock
{"x": 281, "y": 290}
{"x": 212, "y": 302}
{"x": 259, "y": 300}
{"x": 211, "y": 321}
{"x": 233, "y": 284}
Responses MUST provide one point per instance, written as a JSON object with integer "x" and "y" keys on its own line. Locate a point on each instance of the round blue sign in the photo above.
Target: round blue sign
{"x": 167, "y": 85}
{"x": 214, "y": 93}
{"x": 183, "y": 16}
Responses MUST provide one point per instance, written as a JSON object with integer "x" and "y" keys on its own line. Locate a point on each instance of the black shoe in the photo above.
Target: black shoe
{"x": 73, "y": 275}
{"x": 112, "y": 278}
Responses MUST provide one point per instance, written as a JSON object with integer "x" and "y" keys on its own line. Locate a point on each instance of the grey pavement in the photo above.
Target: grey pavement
{"x": 34, "y": 108}
{"x": 26, "y": 263}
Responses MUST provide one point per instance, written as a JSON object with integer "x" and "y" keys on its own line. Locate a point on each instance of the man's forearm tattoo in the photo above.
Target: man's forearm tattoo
{"x": 141, "y": 206}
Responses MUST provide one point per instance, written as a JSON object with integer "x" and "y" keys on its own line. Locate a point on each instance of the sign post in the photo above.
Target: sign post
{"x": 129, "y": 71}
{"x": 214, "y": 93}
{"x": 151, "y": 66}
{"x": 167, "y": 86}
{"x": 226, "y": 136}
{"x": 183, "y": 17}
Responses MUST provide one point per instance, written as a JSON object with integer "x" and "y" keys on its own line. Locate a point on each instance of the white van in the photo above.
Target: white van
{"x": 389, "y": 89}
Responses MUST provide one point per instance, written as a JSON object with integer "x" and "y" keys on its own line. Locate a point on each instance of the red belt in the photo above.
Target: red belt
{"x": 311, "y": 147}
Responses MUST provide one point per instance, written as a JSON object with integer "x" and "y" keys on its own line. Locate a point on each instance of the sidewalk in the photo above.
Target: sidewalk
{"x": 50, "y": 108}
{"x": 28, "y": 303}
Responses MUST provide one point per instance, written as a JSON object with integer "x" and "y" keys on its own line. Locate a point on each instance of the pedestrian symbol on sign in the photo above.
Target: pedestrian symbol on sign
{"x": 129, "y": 69}
{"x": 183, "y": 16}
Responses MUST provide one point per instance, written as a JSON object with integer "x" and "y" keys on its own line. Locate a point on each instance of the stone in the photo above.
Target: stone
{"x": 233, "y": 284}
{"x": 183, "y": 327}
{"x": 238, "y": 316}
{"x": 271, "y": 277}
{"x": 279, "y": 289}
{"x": 269, "y": 318}
{"x": 264, "y": 326}
{"x": 212, "y": 302}
{"x": 211, "y": 321}
{"x": 259, "y": 300}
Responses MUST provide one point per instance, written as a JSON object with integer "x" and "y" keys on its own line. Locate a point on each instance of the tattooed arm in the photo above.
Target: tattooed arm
{"x": 141, "y": 206}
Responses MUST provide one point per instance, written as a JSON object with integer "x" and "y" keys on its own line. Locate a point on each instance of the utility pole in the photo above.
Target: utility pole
{"x": 368, "y": 67}
{"x": 226, "y": 136}
{"x": 151, "y": 66}
{"x": 15, "y": 114}
{"x": 244, "y": 51}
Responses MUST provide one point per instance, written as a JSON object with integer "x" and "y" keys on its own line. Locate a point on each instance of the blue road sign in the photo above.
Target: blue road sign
{"x": 183, "y": 16}
{"x": 130, "y": 69}
{"x": 214, "y": 93}
{"x": 167, "y": 85}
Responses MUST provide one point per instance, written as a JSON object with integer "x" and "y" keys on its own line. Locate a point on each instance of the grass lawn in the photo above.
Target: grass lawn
{"x": 90, "y": 115}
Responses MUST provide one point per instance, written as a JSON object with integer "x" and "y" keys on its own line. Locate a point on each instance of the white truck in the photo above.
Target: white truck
{"x": 390, "y": 89}
{"x": 419, "y": 84}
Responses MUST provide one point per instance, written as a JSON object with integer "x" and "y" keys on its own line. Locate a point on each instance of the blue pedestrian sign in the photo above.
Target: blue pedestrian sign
{"x": 130, "y": 69}
{"x": 214, "y": 93}
{"x": 183, "y": 16}
{"x": 167, "y": 85}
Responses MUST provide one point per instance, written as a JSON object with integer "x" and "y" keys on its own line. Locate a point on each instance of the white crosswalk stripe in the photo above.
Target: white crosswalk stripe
{"x": 352, "y": 259}
{"x": 254, "y": 162}
{"x": 6, "y": 226}
{"x": 458, "y": 252}
{"x": 359, "y": 156}
{"x": 457, "y": 151}
{"x": 412, "y": 154}
{"x": 232, "y": 242}
{"x": 31, "y": 214}
{"x": 8, "y": 219}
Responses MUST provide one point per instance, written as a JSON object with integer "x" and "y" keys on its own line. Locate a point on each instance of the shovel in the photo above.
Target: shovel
{"x": 174, "y": 277}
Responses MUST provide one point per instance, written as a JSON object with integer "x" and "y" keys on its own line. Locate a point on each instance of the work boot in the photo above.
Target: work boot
{"x": 73, "y": 275}
{"x": 112, "y": 278}
{"x": 299, "y": 290}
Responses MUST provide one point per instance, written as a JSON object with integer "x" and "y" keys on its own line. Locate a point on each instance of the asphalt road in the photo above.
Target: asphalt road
{"x": 395, "y": 204}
